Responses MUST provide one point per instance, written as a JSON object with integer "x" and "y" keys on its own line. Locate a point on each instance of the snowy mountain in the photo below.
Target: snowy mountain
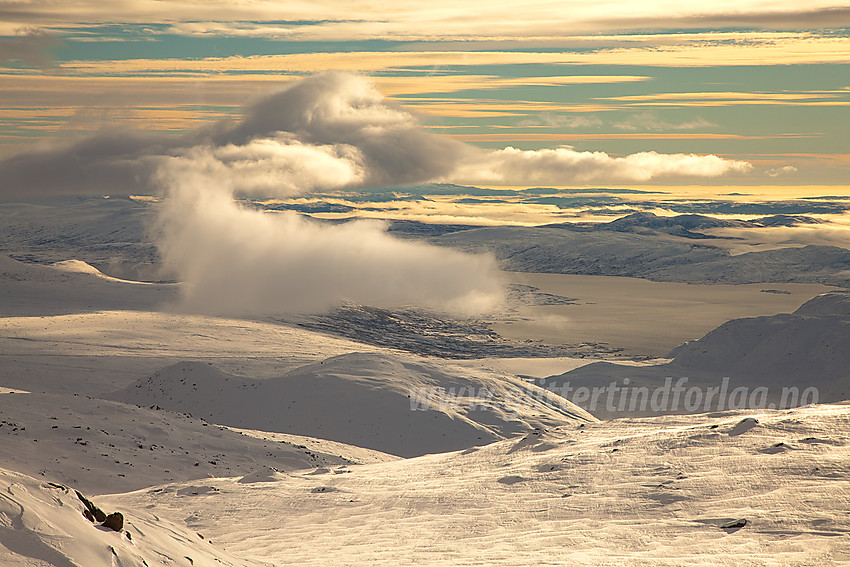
{"x": 113, "y": 236}
{"x": 649, "y": 254}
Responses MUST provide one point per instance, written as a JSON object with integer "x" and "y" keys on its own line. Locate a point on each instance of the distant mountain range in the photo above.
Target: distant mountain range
{"x": 645, "y": 245}
{"x": 113, "y": 236}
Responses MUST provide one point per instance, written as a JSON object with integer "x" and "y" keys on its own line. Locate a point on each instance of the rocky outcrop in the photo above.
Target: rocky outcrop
{"x": 114, "y": 521}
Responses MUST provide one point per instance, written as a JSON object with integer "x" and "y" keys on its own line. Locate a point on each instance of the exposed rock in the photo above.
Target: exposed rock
{"x": 93, "y": 511}
{"x": 114, "y": 521}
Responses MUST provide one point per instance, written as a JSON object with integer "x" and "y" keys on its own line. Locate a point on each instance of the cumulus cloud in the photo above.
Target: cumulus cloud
{"x": 564, "y": 165}
{"x": 327, "y": 131}
{"x": 347, "y": 111}
{"x": 279, "y": 166}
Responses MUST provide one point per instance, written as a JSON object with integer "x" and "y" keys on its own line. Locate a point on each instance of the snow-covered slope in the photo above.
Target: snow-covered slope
{"x": 628, "y": 492}
{"x": 809, "y": 348}
{"x": 96, "y": 353}
{"x": 42, "y": 524}
{"x": 102, "y": 446}
{"x": 72, "y": 287}
{"x": 812, "y": 345}
{"x": 643, "y": 492}
{"x": 395, "y": 404}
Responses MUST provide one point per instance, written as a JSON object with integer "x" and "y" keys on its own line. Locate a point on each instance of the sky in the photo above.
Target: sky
{"x": 763, "y": 88}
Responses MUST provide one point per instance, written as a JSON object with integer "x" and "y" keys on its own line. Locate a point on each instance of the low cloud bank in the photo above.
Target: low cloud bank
{"x": 564, "y": 165}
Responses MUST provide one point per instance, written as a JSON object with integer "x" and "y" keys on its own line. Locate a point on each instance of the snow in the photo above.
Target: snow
{"x": 574, "y": 249}
{"x": 95, "y": 353}
{"x": 43, "y": 524}
{"x": 650, "y": 491}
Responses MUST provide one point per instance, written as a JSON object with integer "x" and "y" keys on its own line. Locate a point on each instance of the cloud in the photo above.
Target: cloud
{"x": 412, "y": 20}
{"x": 741, "y": 240}
{"x": 239, "y": 261}
{"x": 272, "y": 166}
{"x": 564, "y": 165}
{"x": 821, "y": 98}
{"x": 561, "y": 121}
{"x": 781, "y": 171}
{"x": 112, "y": 161}
{"x": 32, "y": 46}
{"x": 330, "y": 130}
{"x": 347, "y": 111}
{"x": 650, "y": 121}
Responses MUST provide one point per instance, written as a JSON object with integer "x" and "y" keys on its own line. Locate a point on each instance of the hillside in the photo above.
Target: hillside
{"x": 42, "y": 524}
